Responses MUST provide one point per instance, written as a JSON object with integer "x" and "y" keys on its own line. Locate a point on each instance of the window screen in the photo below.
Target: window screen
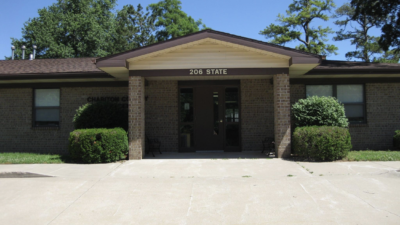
{"x": 350, "y": 95}
{"x": 319, "y": 90}
{"x": 46, "y": 107}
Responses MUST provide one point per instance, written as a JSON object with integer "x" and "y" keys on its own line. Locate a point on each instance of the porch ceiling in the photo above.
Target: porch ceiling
{"x": 232, "y": 77}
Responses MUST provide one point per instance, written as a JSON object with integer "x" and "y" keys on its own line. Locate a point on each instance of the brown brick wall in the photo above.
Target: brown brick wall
{"x": 383, "y": 115}
{"x": 136, "y": 118}
{"x": 162, "y": 113}
{"x": 297, "y": 91}
{"x": 282, "y": 119}
{"x": 16, "y": 132}
{"x": 257, "y": 101}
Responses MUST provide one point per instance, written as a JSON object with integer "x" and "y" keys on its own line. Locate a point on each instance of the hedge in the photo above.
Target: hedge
{"x": 98, "y": 145}
{"x": 319, "y": 111}
{"x": 324, "y": 143}
{"x": 396, "y": 140}
{"x": 101, "y": 115}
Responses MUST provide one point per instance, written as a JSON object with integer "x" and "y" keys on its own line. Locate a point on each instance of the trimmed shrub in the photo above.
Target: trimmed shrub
{"x": 98, "y": 145}
{"x": 322, "y": 143}
{"x": 101, "y": 115}
{"x": 396, "y": 140}
{"x": 319, "y": 111}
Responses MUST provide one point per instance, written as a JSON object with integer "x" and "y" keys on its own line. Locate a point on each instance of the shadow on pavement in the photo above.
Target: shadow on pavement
{"x": 209, "y": 155}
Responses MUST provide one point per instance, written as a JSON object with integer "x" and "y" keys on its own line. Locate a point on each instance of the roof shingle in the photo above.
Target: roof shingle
{"x": 47, "y": 66}
{"x": 334, "y": 64}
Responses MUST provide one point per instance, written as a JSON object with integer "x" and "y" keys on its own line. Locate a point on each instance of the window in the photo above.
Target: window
{"x": 186, "y": 118}
{"x": 232, "y": 130}
{"x": 351, "y": 95}
{"x": 46, "y": 112}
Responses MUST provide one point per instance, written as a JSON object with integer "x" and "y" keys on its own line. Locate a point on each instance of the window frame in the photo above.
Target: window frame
{"x": 181, "y": 123}
{"x": 334, "y": 94}
{"x": 34, "y": 108}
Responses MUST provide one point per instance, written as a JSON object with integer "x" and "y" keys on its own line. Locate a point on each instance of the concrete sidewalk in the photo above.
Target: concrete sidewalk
{"x": 220, "y": 190}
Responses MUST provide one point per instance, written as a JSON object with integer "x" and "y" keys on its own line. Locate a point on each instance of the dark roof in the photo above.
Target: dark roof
{"x": 46, "y": 66}
{"x": 118, "y": 59}
{"x": 330, "y": 67}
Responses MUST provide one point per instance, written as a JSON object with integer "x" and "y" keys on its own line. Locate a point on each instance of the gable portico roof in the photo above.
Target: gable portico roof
{"x": 296, "y": 56}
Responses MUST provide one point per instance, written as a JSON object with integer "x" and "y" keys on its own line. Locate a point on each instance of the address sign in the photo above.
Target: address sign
{"x": 208, "y": 71}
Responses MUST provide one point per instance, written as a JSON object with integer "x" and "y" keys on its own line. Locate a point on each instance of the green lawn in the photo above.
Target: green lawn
{"x": 32, "y": 158}
{"x": 373, "y": 156}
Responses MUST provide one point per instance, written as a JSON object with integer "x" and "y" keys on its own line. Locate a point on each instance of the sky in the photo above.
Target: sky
{"x": 243, "y": 18}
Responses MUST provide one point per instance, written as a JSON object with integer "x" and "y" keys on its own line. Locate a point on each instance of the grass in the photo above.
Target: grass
{"x": 33, "y": 158}
{"x": 373, "y": 156}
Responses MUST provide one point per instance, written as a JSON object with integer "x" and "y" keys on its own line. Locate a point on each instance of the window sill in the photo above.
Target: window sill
{"x": 359, "y": 125}
{"x": 45, "y": 128}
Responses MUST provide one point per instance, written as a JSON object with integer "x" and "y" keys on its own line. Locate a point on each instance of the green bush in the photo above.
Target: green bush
{"x": 396, "y": 140}
{"x": 323, "y": 143}
{"x": 319, "y": 111}
{"x": 101, "y": 115}
{"x": 98, "y": 145}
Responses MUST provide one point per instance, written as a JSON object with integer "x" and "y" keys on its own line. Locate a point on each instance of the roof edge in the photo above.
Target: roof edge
{"x": 80, "y": 75}
{"x": 202, "y": 35}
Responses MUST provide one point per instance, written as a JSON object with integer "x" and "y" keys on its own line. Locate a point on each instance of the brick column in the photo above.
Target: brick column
{"x": 136, "y": 117}
{"x": 282, "y": 115}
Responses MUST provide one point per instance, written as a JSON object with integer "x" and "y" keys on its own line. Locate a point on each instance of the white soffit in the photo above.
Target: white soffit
{"x": 298, "y": 70}
{"x": 120, "y": 73}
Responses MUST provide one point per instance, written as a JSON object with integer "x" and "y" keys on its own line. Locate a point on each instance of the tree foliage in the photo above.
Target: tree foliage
{"x": 171, "y": 21}
{"x": 90, "y": 28}
{"x": 69, "y": 28}
{"x": 391, "y": 56}
{"x": 296, "y": 26}
{"x": 386, "y": 13}
{"x": 366, "y": 45}
{"x": 134, "y": 28}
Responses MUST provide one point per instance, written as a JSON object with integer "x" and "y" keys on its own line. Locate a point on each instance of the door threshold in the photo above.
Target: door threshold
{"x": 206, "y": 151}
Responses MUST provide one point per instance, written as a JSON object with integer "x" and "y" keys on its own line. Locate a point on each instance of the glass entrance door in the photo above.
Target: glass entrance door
{"x": 208, "y": 125}
{"x": 209, "y": 118}
{"x": 232, "y": 119}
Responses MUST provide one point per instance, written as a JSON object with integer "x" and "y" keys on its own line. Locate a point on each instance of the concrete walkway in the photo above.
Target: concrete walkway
{"x": 205, "y": 190}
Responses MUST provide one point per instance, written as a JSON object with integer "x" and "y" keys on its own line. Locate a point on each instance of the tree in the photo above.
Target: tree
{"x": 89, "y": 28}
{"x": 391, "y": 56}
{"x": 366, "y": 45}
{"x": 171, "y": 21}
{"x": 69, "y": 28}
{"x": 387, "y": 15}
{"x": 134, "y": 28}
{"x": 297, "y": 27}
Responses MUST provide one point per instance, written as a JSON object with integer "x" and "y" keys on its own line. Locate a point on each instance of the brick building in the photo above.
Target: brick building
{"x": 205, "y": 91}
